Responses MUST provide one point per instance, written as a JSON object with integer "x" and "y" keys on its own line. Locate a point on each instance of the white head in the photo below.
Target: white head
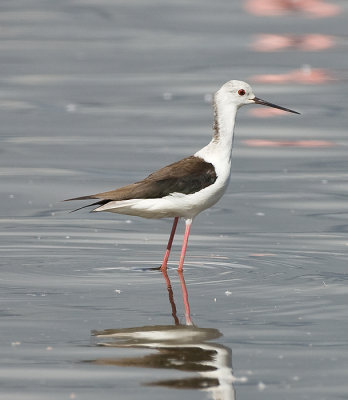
{"x": 239, "y": 93}
{"x": 234, "y": 92}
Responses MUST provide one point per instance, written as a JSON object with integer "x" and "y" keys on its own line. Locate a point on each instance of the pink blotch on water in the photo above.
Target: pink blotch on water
{"x": 310, "y": 42}
{"x": 288, "y": 143}
{"x": 263, "y": 112}
{"x": 269, "y": 42}
{"x": 316, "y": 42}
{"x": 269, "y": 7}
{"x": 319, "y": 9}
{"x": 305, "y": 75}
{"x": 312, "y": 8}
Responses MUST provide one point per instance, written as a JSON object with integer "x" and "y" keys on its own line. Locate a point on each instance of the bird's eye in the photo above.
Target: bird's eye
{"x": 241, "y": 92}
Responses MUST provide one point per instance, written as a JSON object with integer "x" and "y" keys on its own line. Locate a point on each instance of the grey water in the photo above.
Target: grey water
{"x": 98, "y": 94}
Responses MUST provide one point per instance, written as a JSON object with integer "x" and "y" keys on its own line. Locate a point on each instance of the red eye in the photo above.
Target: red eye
{"x": 241, "y": 92}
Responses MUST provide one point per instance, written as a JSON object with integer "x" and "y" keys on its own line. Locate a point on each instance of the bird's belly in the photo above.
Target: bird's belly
{"x": 173, "y": 205}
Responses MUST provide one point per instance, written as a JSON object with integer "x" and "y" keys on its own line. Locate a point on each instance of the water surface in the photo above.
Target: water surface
{"x": 97, "y": 94}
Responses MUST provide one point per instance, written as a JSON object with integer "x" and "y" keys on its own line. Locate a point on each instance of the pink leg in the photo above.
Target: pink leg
{"x": 169, "y": 245}
{"x": 185, "y": 298}
{"x": 184, "y": 245}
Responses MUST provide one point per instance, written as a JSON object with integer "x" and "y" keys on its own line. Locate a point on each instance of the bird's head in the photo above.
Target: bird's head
{"x": 240, "y": 93}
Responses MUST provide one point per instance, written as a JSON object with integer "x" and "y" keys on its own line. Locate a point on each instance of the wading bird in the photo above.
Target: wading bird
{"x": 189, "y": 186}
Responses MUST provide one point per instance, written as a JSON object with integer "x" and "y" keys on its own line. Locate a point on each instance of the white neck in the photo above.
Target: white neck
{"x": 224, "y": 119}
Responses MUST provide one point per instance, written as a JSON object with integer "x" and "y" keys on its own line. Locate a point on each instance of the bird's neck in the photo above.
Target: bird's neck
{"x": 222, "y": 140}
{"x": 224, "y": 119}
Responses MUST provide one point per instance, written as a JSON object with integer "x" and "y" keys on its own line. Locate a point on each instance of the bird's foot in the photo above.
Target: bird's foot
{"x": 163, "y": 267}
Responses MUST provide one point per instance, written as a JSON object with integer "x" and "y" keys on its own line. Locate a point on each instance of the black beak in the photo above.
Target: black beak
{"x": 266, "y": 103}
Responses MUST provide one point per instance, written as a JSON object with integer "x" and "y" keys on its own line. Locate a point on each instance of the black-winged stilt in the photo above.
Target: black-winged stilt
{"x": 189, "y": 186}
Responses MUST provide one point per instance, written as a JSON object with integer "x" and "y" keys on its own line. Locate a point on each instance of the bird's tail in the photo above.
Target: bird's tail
{"x": 97, "y": 203}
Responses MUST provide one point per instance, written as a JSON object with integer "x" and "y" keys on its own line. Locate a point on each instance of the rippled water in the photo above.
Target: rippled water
{"x": 97, "y": 94}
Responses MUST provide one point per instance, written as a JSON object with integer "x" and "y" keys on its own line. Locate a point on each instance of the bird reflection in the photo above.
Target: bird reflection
{"x": 179, "y": 347}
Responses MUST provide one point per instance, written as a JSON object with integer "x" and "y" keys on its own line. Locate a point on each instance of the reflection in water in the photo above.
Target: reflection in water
{"x": 180, "y": 347}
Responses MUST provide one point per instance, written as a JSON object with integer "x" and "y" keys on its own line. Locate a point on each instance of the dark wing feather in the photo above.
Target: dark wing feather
{"x": 185, "y": 176}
